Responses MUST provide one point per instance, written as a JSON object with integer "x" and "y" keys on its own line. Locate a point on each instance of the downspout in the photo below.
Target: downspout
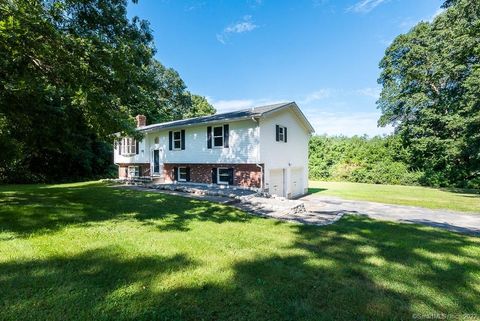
{"x": 258, "y": 155}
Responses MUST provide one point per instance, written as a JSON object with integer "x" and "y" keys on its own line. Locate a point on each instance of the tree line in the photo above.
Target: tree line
{"x": 430, "y": 80}
{"x": 72, "y": 72}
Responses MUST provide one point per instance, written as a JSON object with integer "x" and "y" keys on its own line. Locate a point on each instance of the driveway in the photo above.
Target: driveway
{"x": 453, "y": 221}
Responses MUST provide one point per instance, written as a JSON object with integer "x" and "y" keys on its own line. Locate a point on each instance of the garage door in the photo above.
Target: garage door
{"x": 276, "y": 182}
{"x": 296, "y": 185}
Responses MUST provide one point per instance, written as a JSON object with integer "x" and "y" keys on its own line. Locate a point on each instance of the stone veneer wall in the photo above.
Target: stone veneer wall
{"x": 245, "y": 175}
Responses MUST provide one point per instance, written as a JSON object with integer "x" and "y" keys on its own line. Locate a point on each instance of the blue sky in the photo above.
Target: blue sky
{"x": 323, "y": 54}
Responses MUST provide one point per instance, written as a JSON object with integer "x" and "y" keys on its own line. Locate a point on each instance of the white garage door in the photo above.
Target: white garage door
{"x": 296, "y": 181}
{"x": 276, "y": 182}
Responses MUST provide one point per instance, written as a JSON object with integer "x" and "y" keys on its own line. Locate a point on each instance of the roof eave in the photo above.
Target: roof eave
{"x": 211, "y": 122}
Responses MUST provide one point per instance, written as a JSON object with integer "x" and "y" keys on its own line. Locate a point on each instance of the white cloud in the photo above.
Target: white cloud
{"x": 317, "y": 95}
{"x": 365, "y": 6}
{"x": 246, "y": 25}
{"x": 348, "y": 124}
{"x": 328, "y": 110}
{"x": 223, "y": 106}
{"x": 369, "y": 92}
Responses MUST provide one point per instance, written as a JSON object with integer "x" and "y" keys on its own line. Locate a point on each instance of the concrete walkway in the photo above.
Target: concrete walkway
{"x": 323, "y": 210}
{"x": 453, "y": 221}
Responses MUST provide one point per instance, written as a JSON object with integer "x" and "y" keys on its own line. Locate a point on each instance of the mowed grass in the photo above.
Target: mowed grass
{"x": 465, "y": 200}
{"x": 91, "y": 252}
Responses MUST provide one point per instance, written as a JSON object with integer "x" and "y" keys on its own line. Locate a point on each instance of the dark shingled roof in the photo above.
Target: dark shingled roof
{"x": 244, "y": 113}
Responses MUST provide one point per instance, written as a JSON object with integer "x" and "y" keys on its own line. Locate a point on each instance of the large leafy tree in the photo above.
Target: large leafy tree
{"x": 431, "y": 80}
{"x": 71, "y": 73}
{"x": 200, "y": 107}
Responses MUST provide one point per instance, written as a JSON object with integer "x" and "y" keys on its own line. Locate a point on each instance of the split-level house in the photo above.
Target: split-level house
{"x": 264, "y": 148}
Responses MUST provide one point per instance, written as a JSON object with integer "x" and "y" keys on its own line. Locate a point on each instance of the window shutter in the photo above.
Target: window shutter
{"x": 175, "y": 173}
{"x": 120, "y": 147}
{"x": 214, "y": 175}
{"x": 277, "y": 132}
{"x": 188, "y": 174}
{"x": 285, "y": 134}
{"x": 226, "y": 134}
{"x": 136, "y": 146}
{"x": 170, "y": 140}
{"x": 230, "y": 176}
{"x": 182, "y": 136}
{"x": 209, "y": 137}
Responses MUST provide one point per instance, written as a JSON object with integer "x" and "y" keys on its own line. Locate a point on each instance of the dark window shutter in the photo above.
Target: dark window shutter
{"x": 285, "y": 134}
{"x": 277, "y": 133}
{"x": 120, "y": 147}
{"x": 175, "y": 173}
{"x": 209, "y": 137}
{"x": 214, "y": 175}
{"x": 230, "y": 176}
{"x": 188, "y": 174}
{"x": 182, "y": 135}
{"x": 226, "y": 134}
{"x": 136, "y": 146}
{"x": 170, "y": 140}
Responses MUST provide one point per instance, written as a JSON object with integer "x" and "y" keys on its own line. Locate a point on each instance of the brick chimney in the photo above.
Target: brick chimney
{"x": 141, "y": 120}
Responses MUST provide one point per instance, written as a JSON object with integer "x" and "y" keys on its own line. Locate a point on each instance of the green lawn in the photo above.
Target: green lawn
{"x": 90, "y": 252}
{"x": 452, "y": 199}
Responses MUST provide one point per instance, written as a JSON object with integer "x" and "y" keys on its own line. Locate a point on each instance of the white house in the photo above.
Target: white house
{"x": 262, "y": 148}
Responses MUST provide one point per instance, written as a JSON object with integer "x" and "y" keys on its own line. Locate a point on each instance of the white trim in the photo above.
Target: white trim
{"x": 136, "y": 171}
{"x": 128, "y": 146}
{"x": 179, "y": 140}
{"x": 178, "y": 174}
{"x": 218, "y": 177}
{"x": 281, "y": 136}
{"x": 221, "y": 136}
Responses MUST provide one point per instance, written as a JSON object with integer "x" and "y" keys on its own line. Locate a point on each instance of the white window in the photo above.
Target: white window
{"x": 177, "y": 140}
{"x": 128, "y": 146}
{"x": 218, "y": 136}
{"x": 223, "y": 176}
{"x": 182, "y": 174}
{"x": 281, "y": 133}
{"x": 133, "y": 171}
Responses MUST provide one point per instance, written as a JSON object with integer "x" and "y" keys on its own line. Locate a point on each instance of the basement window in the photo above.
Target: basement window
{"x": 223, "y": 176}
{"x": 133, "y": 171}
{"x": 182, "y": 174}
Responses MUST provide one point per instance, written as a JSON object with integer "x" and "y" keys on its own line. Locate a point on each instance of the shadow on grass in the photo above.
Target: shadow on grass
{"x": 313, "y": 190}
{"x": 475, "y": 193}
{"x": 37, "y": 208}
{"x": 357, "y": 269}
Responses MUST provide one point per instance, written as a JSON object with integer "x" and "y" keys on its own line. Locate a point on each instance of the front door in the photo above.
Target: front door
{"x": 156, "y": 162}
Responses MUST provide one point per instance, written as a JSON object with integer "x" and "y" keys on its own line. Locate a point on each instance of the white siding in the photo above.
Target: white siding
{"x": 141, "y": 157}
{"x": 281, "y": 155}
{"x": 243, "y": 146}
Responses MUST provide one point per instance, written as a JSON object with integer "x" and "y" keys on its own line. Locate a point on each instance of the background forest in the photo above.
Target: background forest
{"x": 430, "y": 80}
{"x": 74, "y": 71}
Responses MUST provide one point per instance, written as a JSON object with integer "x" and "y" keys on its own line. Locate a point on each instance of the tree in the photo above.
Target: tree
{"x": 430, "y": 78}
{"x": 72, "y": 72}
{"x": 200, "y": 107}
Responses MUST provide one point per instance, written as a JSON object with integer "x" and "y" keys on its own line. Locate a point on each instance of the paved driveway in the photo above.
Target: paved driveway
{"x": 454, "y": 221}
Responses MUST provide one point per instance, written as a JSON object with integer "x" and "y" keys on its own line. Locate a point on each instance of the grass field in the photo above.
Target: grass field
{"x": 91, "y": 252}
{"x": 453, "y": 199}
